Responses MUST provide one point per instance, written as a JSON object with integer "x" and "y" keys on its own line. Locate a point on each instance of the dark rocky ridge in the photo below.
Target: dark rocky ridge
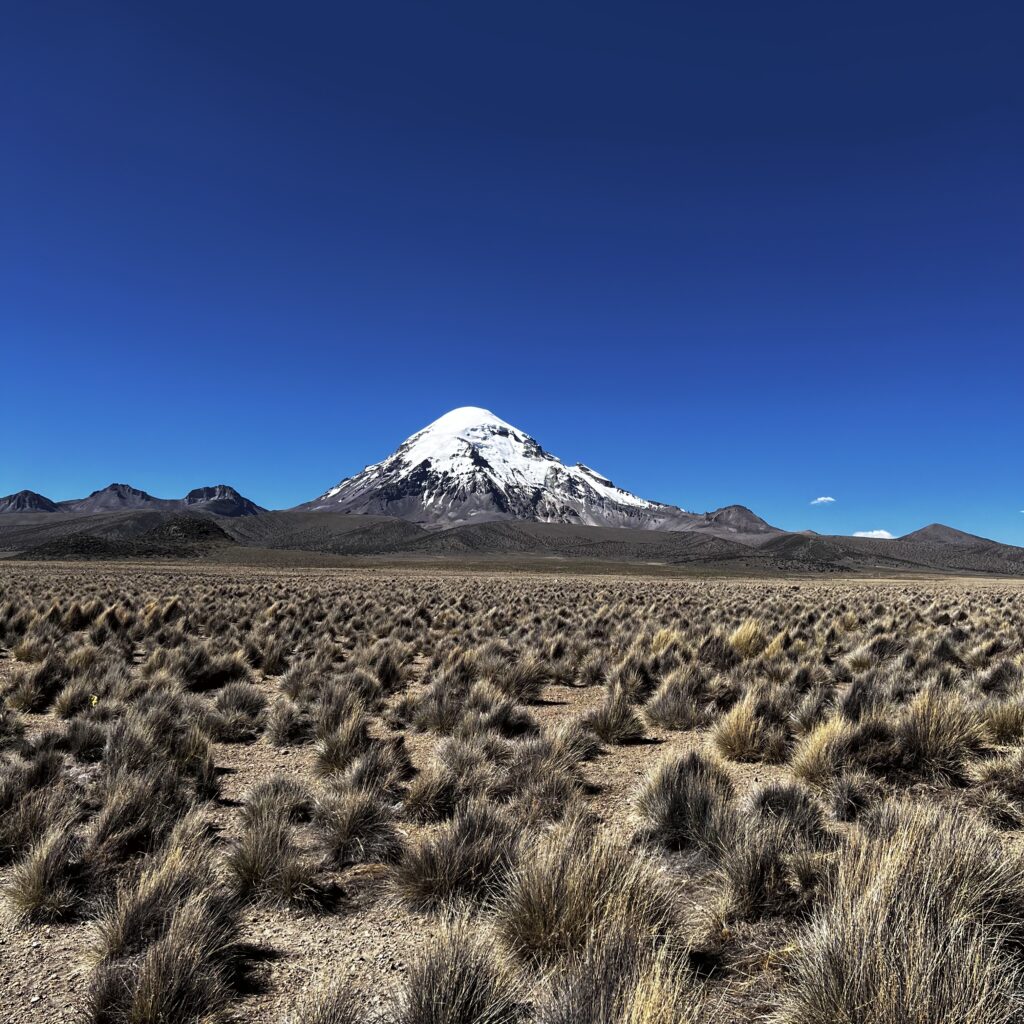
{"x": 936, "y": 533}
{"x": 470, "y": 484}
{"x": 115, "y": 498}
{"x": 220, "y": 499}
{"x": 175, "y": 536}
{"x": 161, "y": 534}
{"x": 26, "y": 501}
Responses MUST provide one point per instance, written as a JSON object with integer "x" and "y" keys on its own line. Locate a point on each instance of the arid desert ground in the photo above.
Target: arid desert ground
{"x": 331, "y": 796}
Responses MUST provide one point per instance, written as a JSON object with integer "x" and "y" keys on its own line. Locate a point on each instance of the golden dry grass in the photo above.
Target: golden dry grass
{"x": 727, "y": 800}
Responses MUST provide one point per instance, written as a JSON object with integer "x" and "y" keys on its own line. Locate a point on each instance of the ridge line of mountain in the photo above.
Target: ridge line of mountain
{"x": 469, "y": 467}
{"x": 221, "y": 499}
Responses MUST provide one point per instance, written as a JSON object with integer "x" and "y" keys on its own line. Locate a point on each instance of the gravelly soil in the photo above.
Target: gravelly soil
{"x": 369, "y": 937}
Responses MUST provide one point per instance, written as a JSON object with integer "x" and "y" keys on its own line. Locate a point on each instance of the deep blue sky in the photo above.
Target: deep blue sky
{"x": 736, "y": 252}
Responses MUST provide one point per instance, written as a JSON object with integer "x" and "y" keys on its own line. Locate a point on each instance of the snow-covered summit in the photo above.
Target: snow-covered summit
{"x": 471, "y": 466}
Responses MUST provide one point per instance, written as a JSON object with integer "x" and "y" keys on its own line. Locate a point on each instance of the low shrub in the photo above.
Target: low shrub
{"x": 919, "y": 925}
{"x": 458, "y": 979}
{"x": 615, "y": 721}
{"x": 265, "y": 864}
{"x": 465, "y": 859}
{"x": 47, "y": 884}
{"x": 620, "y": 980}
{"x": 687, "y": 801}
{"x": 357, "y": 826}
{"x": 569, "y": 885}
{"x": 680, "y": 701}
{"x": 329, "y": 1002}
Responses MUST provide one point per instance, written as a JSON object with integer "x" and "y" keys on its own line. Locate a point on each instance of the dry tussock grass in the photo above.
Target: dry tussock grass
{"x": 613, "y": 799}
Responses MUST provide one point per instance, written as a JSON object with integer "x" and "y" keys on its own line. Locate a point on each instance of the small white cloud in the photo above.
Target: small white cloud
{"x": 823, "y": 501}
{"x": 875, "y": 534}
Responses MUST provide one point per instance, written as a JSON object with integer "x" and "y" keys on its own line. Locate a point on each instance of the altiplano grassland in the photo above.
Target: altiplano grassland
{"x": 424, "y": 797}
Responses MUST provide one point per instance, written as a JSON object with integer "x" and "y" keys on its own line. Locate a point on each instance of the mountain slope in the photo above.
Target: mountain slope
{"x": 311, "y": 531}
{"x": 938, "y": 533}
{"x": 115, "y": 498}
{"x": 26, "y": 501}
{"x": 471, "y": 466}
{"x": 221, "y": 500}
{"x": 174, "y": 535}
{"x": 733, "y": 522}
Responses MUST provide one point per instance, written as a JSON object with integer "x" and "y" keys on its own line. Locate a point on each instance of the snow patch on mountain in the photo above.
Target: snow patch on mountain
{"x": 470, "y": 465}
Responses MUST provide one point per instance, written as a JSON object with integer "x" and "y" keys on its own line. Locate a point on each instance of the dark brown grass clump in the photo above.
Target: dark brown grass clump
{"x": 139, "y": 912}
{"x": 469, "y": 856}
{"x": 200, "y": 667}
{"x": 458, "y": 979}
{"x": 336, "y": 750}
{"x": 357, "y": 827}
{"x": 329, "y": 1003}
{"x": 524, "y": 679}
{"x": 239, "y": 713}
{"x": 762, "y": 874}
{"x": 852, "y": 793}
{"x": 12, "y": 727}
{"x": 265, "y": 863}
{"x": 940, "y": 733}
{"x": 792, "y": 808}
{"x": 542, "y": 777}
{"x": 281, "y": 797}
{"x": 26, "y": 815}
{"x": 35, "y": 687}
{"x": 47, "y": 884}
{"x": 183, "y": 974}
{"x": 616, "y": 720}
{"x": 687, "y": 801}
{"x": 383, "y": 768}
{"x": 461, "y": 770}
{"x": 287, "y": 724}
{"x": 620, "y": 980}
{"x": 680, "y": 702}
{"x": 436, "y": 793}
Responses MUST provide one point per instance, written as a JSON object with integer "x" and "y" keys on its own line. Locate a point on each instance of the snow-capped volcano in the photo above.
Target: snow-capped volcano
{"x": 472, "y": 466}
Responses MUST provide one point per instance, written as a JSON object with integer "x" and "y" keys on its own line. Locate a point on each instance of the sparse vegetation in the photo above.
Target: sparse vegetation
{"x": 687, "y": 800}
{"x": 459, "y": 978}
{"x": 510, "y": 799}
{"x": 574, "y": 884}
{"x": 464, "y": 859}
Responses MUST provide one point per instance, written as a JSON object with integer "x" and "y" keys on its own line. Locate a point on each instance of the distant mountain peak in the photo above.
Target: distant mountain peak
{"x": 213, "y": 493}
{"x": 222, "y": 500}
{"x": 123, "y": 491}
{"x": 469, "y": 465}
{"x": 219, "y": 499}
{"x": 26, "y": 501}
{"x": 739, "y": 519}
{"x": 939, "y": 533}
{"x": 114, "y": 498}
{"x": 466, "y": 417}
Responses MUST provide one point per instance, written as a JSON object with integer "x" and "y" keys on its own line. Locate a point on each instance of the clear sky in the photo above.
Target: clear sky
{"x": 722, "y": 252}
